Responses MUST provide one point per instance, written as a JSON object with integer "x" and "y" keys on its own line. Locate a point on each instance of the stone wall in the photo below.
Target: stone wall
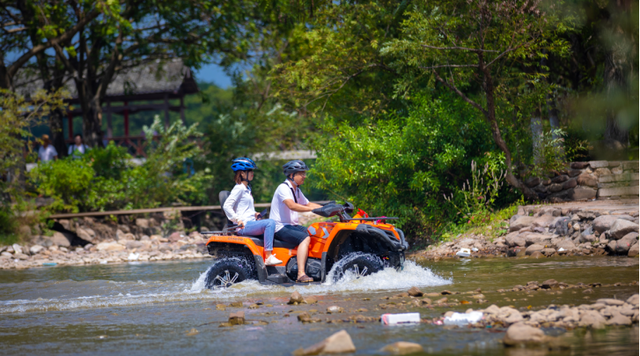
{"x": 588, "y": 181}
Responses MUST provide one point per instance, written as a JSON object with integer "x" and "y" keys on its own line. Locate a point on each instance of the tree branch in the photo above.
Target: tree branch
{"x": 460, "y": 48}
{"x": 13, "y": 69}
{"x": 457, "y": 91}
{"x": 450, "y": 66}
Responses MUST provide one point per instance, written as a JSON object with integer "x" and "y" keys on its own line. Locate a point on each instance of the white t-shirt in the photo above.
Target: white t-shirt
{"x": 239, "y": 205}
{"x": 47, "y": 154}
{"x": 280, "y": 212}
{"x": 82, "y": 149}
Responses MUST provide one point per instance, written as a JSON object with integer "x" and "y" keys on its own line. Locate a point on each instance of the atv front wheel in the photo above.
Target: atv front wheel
{"x": 360, "y": 264}
{"x": 226, "y": 272}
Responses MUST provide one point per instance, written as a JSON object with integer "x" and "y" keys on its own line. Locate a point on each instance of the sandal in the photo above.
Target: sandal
{"x": 304, "y": 279}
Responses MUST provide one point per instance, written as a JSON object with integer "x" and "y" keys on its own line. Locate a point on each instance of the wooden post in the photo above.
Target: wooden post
{"x": 182, "y": 110}
{"x": 126, "y": 121}
{"x": 70, "y": 124}
{"x": 109, "y": 122}
{"x": 166, "y": 111}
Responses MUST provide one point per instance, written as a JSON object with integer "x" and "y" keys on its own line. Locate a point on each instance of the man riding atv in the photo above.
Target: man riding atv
{"x": 287, "y": 202}
{"x": 358, "y": 245}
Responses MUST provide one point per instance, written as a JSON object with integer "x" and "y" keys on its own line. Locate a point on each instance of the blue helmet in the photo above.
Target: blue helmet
{"x": 243, "y": 164}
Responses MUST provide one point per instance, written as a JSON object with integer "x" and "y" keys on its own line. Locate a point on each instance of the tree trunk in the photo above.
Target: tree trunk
{"x": 92, "y": 123}
{"x": 57, "y": 133}
{"x": 490, "y": 115}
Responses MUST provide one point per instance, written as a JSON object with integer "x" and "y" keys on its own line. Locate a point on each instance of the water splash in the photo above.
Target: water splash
{"x": 107, "y": 294}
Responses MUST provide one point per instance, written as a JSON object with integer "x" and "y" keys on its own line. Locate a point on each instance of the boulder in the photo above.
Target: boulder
{"x": 521, "y": 335}
{"x": 415, "y": 292}
{"x": 633, "y": 251}
{"x": 534, "y": 248}
{"x": 59, "y": 239}
{"x": 588, "y": 180}
{"x": 624, "y": 244}
{"x": 549, "y": 283}
{"x": 567, "y": 245}
{"x": 311, "y": 300}
{"x": 84, "y": 234}
{"x": 236, "y": 318}
{"x": 591, "y": 319}
{"x": 569, "y": 184}
{"x": 618, "y": 319}
{"x": 296, "y": 298}
{"x": 579, "y": 165}
{"x": 532, "y": 182}
{"x": 513, "y": 239}
{"x": 403, "y": 348}
{"x": 555, "y": 187}
{"x": 621, "y": 227}
{"x": 561, "y": 225}
{"x": 539, "y": 239}
{"x": 603, "y": 223}
{"x": 17, "y": 248}
{"x": 110, "y": 247}
{"x": 548, "y": 251}
{"x": 574, "y": 172}
{"x": 544, "y": 220}
{"x": 334, "y": 309}
{"x": 337, "y": 343}
{"x": 634, "y": 300}
{"x": 36, "y": 249}
{"x": 559, "y": 179}
{"x": 521, "y": 222}
{"x": 581, "y": 193}
{"x": 143, "y": 223}
{"x": 130, "y": 245}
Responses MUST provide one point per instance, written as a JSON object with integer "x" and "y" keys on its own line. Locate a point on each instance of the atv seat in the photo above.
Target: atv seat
{"x": 259, "y": 241}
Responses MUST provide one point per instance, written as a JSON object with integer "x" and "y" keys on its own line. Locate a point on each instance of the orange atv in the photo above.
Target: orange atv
{"x": 360, "y": 244}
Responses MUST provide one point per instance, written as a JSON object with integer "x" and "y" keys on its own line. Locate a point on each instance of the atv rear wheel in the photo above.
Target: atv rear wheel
{"x": 360, "y": 264}
{"x": 226, "y": 272}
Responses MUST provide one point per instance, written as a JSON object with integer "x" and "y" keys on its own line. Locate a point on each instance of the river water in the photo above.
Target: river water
{"x": 149, "y": 308}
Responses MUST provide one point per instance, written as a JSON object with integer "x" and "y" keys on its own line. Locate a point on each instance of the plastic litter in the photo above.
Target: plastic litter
{"x": 405, "y": 318}
{"x": 475, "y": 249}
{"x": 464, "y": 252}
{"x": 561, "y": 249}
{"x": 49, "y": 264}
{"x": 463, "y": 318}
{"x": 134, "y": 256}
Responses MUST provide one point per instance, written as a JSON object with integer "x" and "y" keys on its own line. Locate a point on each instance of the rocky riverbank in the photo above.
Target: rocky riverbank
{"x": 57, "y": 250}
{"x": 569, "y": 229}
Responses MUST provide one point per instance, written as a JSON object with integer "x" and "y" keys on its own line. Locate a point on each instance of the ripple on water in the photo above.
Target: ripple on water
{"x": 116, "y": 294}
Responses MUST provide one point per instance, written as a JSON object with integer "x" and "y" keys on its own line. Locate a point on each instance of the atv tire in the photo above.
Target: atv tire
{"x": 228, "y": 271}
{"x": 361, "y": 264}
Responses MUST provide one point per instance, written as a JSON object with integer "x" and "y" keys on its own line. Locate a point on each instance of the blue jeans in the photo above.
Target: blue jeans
{"x": 259, "y": 227}
{"x": 294, "y": 234}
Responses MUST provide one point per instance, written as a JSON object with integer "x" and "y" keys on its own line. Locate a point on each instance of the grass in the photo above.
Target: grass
{"x": 490, "y": 224}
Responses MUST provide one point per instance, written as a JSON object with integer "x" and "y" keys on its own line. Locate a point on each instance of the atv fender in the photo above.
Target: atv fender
{"x": 393, "y": 244}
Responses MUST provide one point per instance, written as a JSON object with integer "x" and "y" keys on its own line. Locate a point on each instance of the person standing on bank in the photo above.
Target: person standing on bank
{"x": 287, "y": 202}
{"x": 78, "y": 148}
{"x": 47, "y": 152}
{"x": 239, "y": 209}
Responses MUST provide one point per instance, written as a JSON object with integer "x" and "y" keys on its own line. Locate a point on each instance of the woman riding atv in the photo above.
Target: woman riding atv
{"x": 240, "y": 210}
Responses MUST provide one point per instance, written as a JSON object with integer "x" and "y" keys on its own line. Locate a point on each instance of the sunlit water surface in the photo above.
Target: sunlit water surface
{"x": 148, "y": 308}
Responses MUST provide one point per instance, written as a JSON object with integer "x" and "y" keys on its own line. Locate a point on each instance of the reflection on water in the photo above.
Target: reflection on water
{"x": 144, "y": 308}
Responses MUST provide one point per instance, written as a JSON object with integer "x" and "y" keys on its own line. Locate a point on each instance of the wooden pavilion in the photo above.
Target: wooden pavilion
{"x": 154, "y": 85}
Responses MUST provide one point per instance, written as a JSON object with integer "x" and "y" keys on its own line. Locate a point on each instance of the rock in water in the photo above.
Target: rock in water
{"x": 403, "y": 348}
{"x": 334, "y": 309}
{"x": 520, "y": 334}
{"x": 415, "y": 292}
{"x": 337, "y": 343}
{"x": 311, "y": 300}
{"x": 296, "y": 298}
{"x": 236, "y": 318}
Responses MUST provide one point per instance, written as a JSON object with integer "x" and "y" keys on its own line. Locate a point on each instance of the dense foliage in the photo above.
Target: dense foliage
{"x": 108, "y": 178}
